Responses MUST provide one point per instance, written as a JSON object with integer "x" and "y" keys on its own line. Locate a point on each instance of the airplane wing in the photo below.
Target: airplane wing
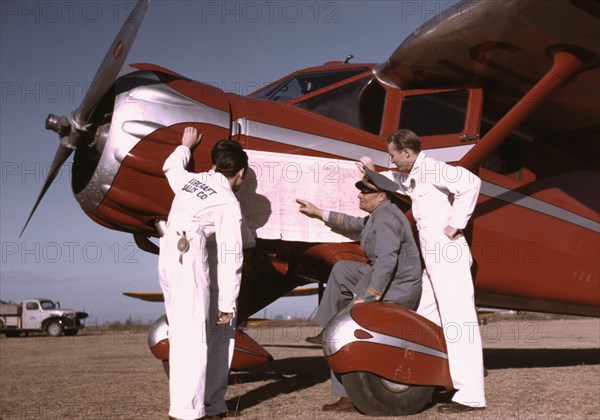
{"x": 506, "y": 48}
{"x": 302, "y": 291}
{"x": 147, "y": 296}
{"x": 158, "y": 296}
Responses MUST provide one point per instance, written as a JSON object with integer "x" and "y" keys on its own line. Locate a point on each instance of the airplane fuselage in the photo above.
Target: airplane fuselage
{"x": 534, "y": 238}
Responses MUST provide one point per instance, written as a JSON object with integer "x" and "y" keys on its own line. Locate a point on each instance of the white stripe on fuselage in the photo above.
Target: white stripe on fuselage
{"x": 340, "y": 148}
{"x": 352, "y": 151}
{"x": 535, "y": 204}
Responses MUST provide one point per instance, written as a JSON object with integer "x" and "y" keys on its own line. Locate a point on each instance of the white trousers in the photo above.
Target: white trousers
{"x": 448, "y": 286}
{"x": 221, "y": 344}
{"x": 186, "y": 288}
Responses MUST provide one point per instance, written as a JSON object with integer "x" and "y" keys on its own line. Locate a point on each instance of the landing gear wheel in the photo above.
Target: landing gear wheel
{"x": 375, "y": 396}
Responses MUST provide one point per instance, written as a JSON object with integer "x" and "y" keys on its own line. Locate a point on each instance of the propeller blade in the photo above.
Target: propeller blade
{"x": 62, "y": 153}
{"x": 73, "y": 131}
{"x": 112, "y": 64}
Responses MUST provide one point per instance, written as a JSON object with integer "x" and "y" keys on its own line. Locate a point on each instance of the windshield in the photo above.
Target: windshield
{"x": 47, "y": 304}
{"x": 305, "y": 83}
{"x": 358, "y": 104}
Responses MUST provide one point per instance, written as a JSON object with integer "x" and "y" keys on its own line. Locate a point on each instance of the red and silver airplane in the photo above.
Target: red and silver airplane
{"x": 507, "y": 89}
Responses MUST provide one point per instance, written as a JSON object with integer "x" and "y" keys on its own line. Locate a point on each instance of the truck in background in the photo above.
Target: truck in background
{"x": 39, "y": 315}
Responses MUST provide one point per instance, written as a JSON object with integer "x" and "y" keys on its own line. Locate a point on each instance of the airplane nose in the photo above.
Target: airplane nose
{"x": 114, "y": 188}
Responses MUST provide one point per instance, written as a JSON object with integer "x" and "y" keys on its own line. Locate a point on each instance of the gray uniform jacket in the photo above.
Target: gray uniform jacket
{"x": 394, "y": 270}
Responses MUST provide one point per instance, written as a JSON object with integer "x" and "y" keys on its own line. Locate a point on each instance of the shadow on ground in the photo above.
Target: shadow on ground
{"x": 532, "y": 358}
{"x": 284, "y": 376}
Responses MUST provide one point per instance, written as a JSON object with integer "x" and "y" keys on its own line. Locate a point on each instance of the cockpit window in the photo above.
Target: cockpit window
{"x": 358, "y": 104}
{"x": 305, "y": 83}
{"x": 435, "y": 113}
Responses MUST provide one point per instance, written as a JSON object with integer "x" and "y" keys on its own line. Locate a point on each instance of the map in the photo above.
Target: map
{"x": 275, "y": 180}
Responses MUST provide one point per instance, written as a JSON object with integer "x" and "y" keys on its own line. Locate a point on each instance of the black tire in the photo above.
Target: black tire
{"x": 376, "y": 396}
{"x": 9, "y": 333}
{"x": 54, "y": 329}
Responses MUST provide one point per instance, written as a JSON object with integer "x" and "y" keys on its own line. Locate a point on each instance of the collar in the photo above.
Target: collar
{"x": 221, "y": 180}
{"x": 409, "y": 180}
{"x": 382, "y": 204}
{"x": 418, "y": 164}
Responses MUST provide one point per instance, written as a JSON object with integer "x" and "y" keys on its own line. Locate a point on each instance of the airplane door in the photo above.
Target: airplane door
{"x": 447, "y": 121}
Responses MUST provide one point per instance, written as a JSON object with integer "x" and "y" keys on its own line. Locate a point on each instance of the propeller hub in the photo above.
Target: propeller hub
{"x": 60, "y": 125}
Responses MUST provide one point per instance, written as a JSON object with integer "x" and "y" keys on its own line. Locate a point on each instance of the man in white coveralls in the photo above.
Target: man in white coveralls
{"x": 443, "y": 199}
{"x": 204, "y": 205}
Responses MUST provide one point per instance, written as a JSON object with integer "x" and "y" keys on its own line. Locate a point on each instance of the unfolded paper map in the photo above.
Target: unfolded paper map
{"x": 275, "y": 180}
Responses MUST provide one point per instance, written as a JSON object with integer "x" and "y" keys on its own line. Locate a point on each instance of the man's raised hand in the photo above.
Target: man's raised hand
{"x": 365, "y": 161}
{"x": 190, "y": 137}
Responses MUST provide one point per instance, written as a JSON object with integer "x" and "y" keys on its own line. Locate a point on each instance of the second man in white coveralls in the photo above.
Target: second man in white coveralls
{"x": 204, "y": 206}
{"x": 443, "y": 199}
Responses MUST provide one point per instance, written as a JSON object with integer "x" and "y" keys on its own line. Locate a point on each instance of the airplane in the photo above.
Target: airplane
{"x": 509, "y": 90}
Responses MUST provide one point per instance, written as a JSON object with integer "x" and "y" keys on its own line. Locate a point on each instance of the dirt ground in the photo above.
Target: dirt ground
{"x": 538, "y": 369}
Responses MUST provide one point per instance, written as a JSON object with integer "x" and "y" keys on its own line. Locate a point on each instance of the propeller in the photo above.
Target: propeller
{"x": 74, "y": 131}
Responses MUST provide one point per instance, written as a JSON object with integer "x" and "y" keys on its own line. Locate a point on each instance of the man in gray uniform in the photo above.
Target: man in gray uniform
{"x": 393, "y": 272}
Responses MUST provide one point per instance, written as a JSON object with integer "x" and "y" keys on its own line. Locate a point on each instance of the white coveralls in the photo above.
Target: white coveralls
{"x": 444, "y": 195}
{"x": 204, "y": 206}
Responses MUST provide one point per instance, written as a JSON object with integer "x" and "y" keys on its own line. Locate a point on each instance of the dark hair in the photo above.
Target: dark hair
{"x": 229, "y": 157}
{"x": 405, "y": 139}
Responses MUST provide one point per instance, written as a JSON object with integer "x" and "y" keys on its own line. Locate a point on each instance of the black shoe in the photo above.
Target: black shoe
{"x": 455, "y": 407}
{"x": 317, "y": 339}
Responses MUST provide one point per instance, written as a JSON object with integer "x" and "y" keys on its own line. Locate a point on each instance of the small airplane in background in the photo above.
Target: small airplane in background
{"x": 507, "y": 89}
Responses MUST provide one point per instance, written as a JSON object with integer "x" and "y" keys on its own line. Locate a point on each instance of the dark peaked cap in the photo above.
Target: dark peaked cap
{"x": 375, "y": 182}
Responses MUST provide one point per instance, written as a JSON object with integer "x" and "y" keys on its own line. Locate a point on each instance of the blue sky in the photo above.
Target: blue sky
{"x": 49, "y": 54}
